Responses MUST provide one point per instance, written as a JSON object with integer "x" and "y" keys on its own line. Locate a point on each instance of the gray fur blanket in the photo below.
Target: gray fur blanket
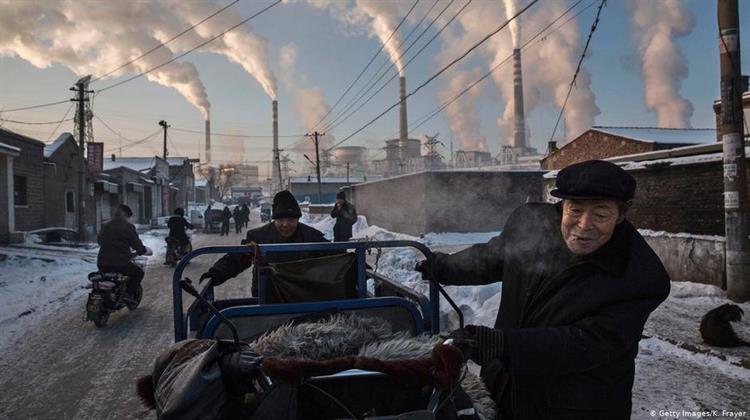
{"x": 346, "y": 335}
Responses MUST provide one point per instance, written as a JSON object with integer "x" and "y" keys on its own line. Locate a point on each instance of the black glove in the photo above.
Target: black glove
{"x": 425, "y": 267}
{"x": 242, "y": 364}
{"x": 489, "y": 343}
{"x": 464, "y": 341}
{"x": 204, "y": 276}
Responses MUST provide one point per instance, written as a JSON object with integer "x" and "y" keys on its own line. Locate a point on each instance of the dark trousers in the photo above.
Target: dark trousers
{"x": 224, "y": 227}
{"x": 237, "y": 225}
{"x": 134, "y": 273}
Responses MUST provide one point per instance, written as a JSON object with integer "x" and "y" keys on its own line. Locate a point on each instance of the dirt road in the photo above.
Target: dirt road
{"x": 69, "y": 369}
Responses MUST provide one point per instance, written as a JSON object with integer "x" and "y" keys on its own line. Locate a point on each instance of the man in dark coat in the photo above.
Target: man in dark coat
{"x": 245, "y": 215}
{"x": 226, "y": 216}
{"x": 579, "y": 283}
{"x": 237, "y": 216}
{"x": 345, "y": 215}
{"x": 284, "y": 228}
{"x": 117, "y": 240}
{"x": 177, "y": 227}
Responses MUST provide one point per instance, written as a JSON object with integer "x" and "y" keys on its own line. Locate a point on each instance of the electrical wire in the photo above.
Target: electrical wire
{"x": 578, "y": 68}
{"x": 34, "y": 122}
{"x": 61, "y": 121}
{"x": 35, "y": 106}
{"x": 422, "y": 120}
{"x": 165, "y": 42}
{"x": 275, "y": 3}
{"x": 143, "y": 140}
{"x": 237, "y": 135}
{"x": 382, "y": 45}
{"x": 339, "y": 121}
{"x": 120, "y": 136}
{"x": 439, "y": 72}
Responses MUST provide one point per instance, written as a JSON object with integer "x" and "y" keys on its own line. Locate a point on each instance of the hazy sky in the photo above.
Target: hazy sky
{"x": 315, "y": 49}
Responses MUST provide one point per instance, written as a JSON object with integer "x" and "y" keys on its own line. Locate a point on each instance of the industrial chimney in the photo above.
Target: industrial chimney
{"x": 208, "y": 140}
{"x": 276, "y": 171}
{"x": 403, "y": 130}
{"x": 519, "y": 126}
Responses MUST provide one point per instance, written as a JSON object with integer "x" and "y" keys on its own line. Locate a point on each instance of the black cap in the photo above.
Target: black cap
{"x": 285, "y": 205}
{"x": 341, "y": 195}
{"x": 125, "y": 209}
{"x": 594, "y": 180}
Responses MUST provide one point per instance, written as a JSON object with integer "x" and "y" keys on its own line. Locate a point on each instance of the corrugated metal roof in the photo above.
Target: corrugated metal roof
{"x": 663, "y": 135}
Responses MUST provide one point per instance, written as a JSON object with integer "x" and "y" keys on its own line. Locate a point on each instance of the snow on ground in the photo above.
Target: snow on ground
{"x": 38, "y": 279}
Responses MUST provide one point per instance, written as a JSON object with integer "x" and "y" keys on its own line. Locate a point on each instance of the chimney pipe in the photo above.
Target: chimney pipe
{"x": 208, "y": 140}
{"x": 276, "y": 174}
{"x": 519, "y": 126}
{"x": 551, "y": 147}
{"x": 403, "y": 130}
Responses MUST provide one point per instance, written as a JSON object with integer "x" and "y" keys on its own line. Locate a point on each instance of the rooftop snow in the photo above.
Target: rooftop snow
{"x": 51, "y": 148}
{"x": 328, "y": 180}
{"x": 139, "y": 164}
{"x": 663, "y": 135}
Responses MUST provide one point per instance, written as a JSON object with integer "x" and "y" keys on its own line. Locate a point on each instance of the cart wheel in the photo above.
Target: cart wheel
{"x": 137, "y": 298}
{"x": 101, "y": 319}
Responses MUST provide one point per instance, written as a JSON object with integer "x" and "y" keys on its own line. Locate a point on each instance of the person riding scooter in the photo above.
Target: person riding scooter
{"x": 116, "y": 240}
{"x": 177, "y": 228}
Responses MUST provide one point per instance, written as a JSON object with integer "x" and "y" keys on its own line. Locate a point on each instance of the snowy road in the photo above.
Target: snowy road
{"x": 66, "y": 368}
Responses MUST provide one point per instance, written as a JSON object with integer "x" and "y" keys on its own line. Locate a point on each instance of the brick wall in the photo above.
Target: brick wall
{"x": 58, "y": 179}
{"x": 445, "y": 201}
{"x": 594, "y": 145}
{"x": 29, "y": 164}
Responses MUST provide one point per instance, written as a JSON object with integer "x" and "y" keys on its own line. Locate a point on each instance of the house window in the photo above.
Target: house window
{"x": 19, "y": 191}
{"x": 70, "y": 202}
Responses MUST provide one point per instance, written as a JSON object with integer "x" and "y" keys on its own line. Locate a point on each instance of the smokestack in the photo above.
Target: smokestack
{"x": 519, "y": 124}
{"x": 276, "y": 175}
{"x": 208, "y": 140}
{"x": 403, "y": 130}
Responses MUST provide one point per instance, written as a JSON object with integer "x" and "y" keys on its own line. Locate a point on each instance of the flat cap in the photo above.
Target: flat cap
{"x": 594, "y": 180}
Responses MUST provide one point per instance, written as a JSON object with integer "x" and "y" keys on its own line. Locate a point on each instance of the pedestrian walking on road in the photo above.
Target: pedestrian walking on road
{"x": 226, "y": 215}
{"x": 345, "y": 215}
{"x": 237, "y": 216}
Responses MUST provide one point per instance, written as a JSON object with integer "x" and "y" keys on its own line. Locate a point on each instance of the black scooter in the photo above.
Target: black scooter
{"x": 109, "y": 294}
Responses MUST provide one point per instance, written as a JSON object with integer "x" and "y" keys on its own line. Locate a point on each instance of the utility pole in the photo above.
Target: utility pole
{"x": 347, "y": 173}
{"x": 737, "y": 261}
{"x": 316, "y": 139}
{"x": 164, "y": 125}
{"x": 81, "y": 99}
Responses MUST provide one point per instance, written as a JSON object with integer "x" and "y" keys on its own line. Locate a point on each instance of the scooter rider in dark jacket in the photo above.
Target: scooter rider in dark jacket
{"x": 284, "y": 228}
{"x": 117, "y": 239}
{"x": 579, "y": 283}
{"x": 177, "y": 227}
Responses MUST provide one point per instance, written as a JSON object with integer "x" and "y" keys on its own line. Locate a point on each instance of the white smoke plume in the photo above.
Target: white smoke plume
{"x": 514, "y": 27}
{"x": 462, "y": 114}
{"x": 656, "y": 24}
{"x": 548, "y": 66}
{"x": 309, "y": 102}
{"x": 93, "y": 38}
{"x": 379, "y": 17}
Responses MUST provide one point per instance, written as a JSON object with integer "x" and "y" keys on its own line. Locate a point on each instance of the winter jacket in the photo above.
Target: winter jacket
{"x": 346, "y": 217}
{"x": 177, "y": 226}
{"x": 116, "y": 239}
{"x": 571, "y": 324}
{"x": 231, "y": 265}
{"x": 226, "y": 214}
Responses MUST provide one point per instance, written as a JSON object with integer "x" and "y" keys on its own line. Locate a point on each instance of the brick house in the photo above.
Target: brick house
{"x": 132, "y": 191}
{"x": 152, "y": 183}
{"x": 61, "y": 167}
{"x": 21, "y": 192}
{"x": 607, "y": 142}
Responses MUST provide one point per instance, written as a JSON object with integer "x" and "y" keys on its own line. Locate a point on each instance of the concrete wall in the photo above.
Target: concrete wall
{"x": 445, "y": 201}
{"x": 694, "y": 258}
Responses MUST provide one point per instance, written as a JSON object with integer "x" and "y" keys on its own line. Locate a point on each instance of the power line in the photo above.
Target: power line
{"x": 165, "y": 42}
{"x": 382, "y": 45}
{"x": 35, "y": 106}
{"x": 578, "y": 68}
{"x": 235, "y": 135}
{"x": 192, "y": 49}
{"x": 335, "y": 124}
{"x": 422, "y": 120}
{"x": 120, "y": 136}
{"x": 35, "y": 123}
{"x": 143, "y": 140}
{"x": 439, "y": 72}
{"x": 58, "y": 125}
